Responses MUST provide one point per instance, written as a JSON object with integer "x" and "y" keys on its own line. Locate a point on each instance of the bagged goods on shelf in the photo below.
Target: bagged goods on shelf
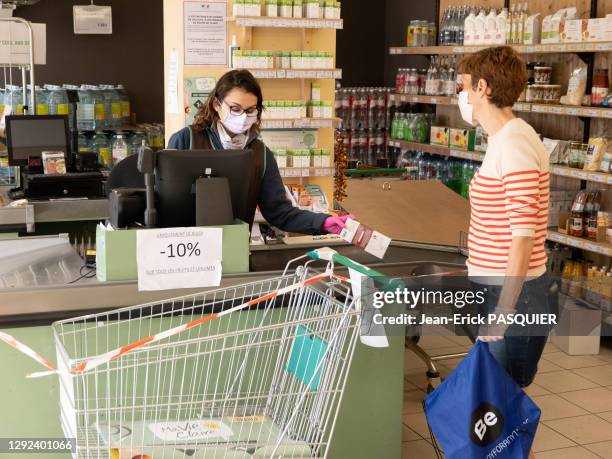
{"x": 606, "y": 162}
{"x": 576, "y": 87}
{"x": 553, "y": 25}
{"x": 595, "y": 152}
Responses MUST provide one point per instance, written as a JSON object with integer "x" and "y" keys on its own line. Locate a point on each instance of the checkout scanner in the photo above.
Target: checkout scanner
{"x": 28, "y": 136}
{"x": 184, "y": 188}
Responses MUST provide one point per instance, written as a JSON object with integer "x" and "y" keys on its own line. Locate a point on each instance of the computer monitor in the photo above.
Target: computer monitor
{"x": 27, "y": 136}
{"x": 177, "y": 170}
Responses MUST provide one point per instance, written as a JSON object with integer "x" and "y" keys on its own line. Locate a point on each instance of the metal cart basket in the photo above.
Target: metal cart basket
{"x": 253, "y": 371}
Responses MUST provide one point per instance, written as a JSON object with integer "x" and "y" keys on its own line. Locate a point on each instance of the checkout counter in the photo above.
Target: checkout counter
{"x": 41, "y": 281}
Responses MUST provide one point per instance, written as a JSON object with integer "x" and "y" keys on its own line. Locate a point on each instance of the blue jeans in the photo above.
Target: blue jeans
{"x": 520, "y": 350}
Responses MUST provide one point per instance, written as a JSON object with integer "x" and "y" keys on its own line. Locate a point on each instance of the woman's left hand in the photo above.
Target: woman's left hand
{"x": 490, "y": 339}
{"x": 335, "y": 225}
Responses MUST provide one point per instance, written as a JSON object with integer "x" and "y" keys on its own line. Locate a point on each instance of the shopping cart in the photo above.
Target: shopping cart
{"x": 252, "y": 371}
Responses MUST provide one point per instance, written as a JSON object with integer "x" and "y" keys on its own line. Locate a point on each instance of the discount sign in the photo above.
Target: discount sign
{"x": 173, "y": 258}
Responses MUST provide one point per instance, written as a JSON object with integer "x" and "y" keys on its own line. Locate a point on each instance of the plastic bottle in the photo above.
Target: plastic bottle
{"x": 520, "y": 27}
{"x": 84, "y": 144}
{"x": 14, "y": 99}
{"x": 136, "y": 141}
{"x": 501, "y": 27}
{"x": 591, "y": 214}
{"x": 480, "y": 27}
{"x": 101, "y": 146}
{"x": 490, "y": 27}
{"x": 232, "y": 49}
{"x": 85, "y": 109}
{"x": 576, "y": 222}
{"x": 114, "y": 112}
{"x": 101, "y": 120}
{"x": 42, "y": 100}
{"x": 469, "y": 28}
{"x": 120, "y": 149}
{"x": 126, "y": 109}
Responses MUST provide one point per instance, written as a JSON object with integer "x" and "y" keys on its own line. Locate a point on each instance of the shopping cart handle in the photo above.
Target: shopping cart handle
{"x": 383, "y": 282}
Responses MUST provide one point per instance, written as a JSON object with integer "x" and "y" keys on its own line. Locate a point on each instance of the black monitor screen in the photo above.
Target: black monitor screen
{"x": 29, "y": 136}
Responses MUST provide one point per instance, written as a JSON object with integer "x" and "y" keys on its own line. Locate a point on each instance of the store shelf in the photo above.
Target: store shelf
{"x": 437, "y": 150}
{"x": 306, "y": 172}
{"x": 603, "y": 248}
{"x": 287, "y": 23}
{"x": 320, "y": 74}
{"x": 524, "y": 107}
{"x": 598, "y": 177}
{"x": 303, "y": 123}
{"x": 521, "y": 49}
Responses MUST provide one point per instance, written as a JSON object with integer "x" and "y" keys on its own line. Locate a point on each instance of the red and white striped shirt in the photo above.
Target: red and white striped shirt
{"x": 509, "y": 197}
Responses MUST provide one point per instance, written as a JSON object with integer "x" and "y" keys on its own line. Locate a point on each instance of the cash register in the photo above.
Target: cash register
{"x": 28, "y": 136}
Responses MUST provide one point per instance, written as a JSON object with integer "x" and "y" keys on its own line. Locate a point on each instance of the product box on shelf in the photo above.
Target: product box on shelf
{"x": 595, "y": 29}
{"x": 573, "y": 31}
{"x": 462, "y": 138}
{"x": 439, "y": 135}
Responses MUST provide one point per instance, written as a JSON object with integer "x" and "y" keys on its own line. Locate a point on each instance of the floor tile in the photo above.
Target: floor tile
{"x": 408, "y": 434}
{"x": 563, "y": 381}
{"x": 576, "y": 452}
{"x": 583, "y": 429}
{"x": 603, "y": 449}
{"x": 600, "y": 375}
{"x": 413, "y": 401}
{"x": 419, "y": 449}
{"x": 546, "y": 366}
{"x": 452, "y": 363}
{"x": 550, "y": 347}
{"x": 412, "y": 362}
{"x": 594, "y": 400}
{"x": 462, "y": 340}
{"x": 607, "y": 416}
{"x": 534, "y": 390}
{"x": 555, "y": 407}
{"x": 418, "y": 423}
{"x": 417, "y": 378}
{"x": 547, "y": 439}
{"x": 570, "y": 362}
{"x": 441, "y": 351}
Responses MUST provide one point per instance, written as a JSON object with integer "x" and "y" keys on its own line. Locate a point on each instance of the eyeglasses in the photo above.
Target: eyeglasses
{"x": 238, "y": 110}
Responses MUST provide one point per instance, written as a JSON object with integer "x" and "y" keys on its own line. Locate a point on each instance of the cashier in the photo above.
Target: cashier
{"x": 230, "y": 119}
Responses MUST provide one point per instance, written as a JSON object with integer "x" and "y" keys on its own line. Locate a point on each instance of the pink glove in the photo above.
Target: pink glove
{"x": 335, "y": 225}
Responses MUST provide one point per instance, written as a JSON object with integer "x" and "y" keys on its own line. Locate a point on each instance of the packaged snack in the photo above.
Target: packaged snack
{"x": 606, "y": 162}
{"x": 54, "y": 162}
{"x": 576, "y": 87}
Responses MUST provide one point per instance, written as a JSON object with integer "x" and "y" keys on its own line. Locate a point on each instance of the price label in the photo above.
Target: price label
{"x": 306, "y": 172}
{"x": 591, "y": 247}
{"x": 596, "y": 178}
{"x": 173, "y": 258}
{"x": 281, "y": 73}
{"x": 609, "y": 180}
{"x": 434, "y": 100}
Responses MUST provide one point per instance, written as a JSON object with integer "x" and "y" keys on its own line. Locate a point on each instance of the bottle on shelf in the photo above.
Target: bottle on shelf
{"x": 521, "y": 24}
{"x": 480, "y": 27}
{"x": 591, "y": 214}
{"x": 469, "y": 25}
{"x": 514, "y": 14}
{"x": 501, "y": 24}
{"x": 490, "y": 27}
{"x": 576, "y": 221}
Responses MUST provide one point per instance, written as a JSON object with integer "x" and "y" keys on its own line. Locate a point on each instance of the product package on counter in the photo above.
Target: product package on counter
{"x": 371, "y": 241}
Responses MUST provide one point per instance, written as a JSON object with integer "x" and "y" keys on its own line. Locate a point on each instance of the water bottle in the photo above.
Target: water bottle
{"x": 113, "y": 110}
{"x": 126, "y": 108}
{"x": 58, "y": 102}
{"x": 84, "y": 143}
{"x": 101, "y": 146}
{"x": 101, "y": 120}
{"x": 120, "y": 148}
{"x": 42, "y": 102}
{"x": 136, "y": 141}
{"x": 13, "y": 100}
{"x": 85, "y": 109}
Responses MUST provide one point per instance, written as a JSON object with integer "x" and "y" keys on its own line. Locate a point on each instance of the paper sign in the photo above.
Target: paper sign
{"x": 93, "y": 19}
{"x": 196, "y": 92}
{"x": 15, "y": 43}
{"x": 190, "y": 431}
{"x": 205, "y": 32}
{"x": 371, "y": 241}
{"x": 173, "y": 258}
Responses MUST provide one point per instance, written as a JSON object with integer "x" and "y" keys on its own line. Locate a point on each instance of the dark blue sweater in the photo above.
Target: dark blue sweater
{"x": 273, "y": 203}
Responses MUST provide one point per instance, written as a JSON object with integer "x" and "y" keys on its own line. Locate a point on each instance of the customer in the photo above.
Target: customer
{"x": 509, "y": 208}
{"x": 230, "y": 119}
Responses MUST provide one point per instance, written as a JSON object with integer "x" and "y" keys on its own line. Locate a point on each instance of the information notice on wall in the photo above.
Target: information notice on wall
{"x": 205, "y": 32}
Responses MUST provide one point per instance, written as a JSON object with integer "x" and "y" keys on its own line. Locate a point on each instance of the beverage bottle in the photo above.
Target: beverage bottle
{"x": 508, "y": 29}
{"x": 448, "y": 26}
{"x": 136, "y": 141}
{"x": 591, "y": 214}
{"x": 84, "y": 143}
{"x": 42, "y": 100}
{"x": 371, "y": 147}
{"x": 352, "y": 109}
{"x": 521, "y": 24}
{"x": 126, "y": 108}
{"x": 116, "y": 108}
{"x": 576, "y": 222}
{"x": 85, "y": 109}
{"x": 490, "y": 27}
{"x": 450, "y": 83}
{"x": 514, "y": 20}
{"x": 480, "y": 27}
{"x": 442, "y": 30}
{"x": 59, "y": 103}
{"x": 13, "y": 100}
{"x": 461, "y": 26}
{"x": 102, "y": 148}
{"x": 469, "y": 28}
{"x": 501, "y": 27}
{"x": 120, "y": 149}
{"x": 400, "y": 81}
{"x": 346, "y": 108}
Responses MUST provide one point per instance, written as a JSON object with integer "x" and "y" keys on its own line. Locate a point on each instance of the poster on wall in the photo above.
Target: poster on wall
{"x": 197, "y": 91}
{"x": 205, "y": 32}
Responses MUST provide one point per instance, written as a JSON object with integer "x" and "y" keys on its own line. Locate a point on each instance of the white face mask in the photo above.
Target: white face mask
{"x": 237, "y": 124}
{"x": 466, "y": 108}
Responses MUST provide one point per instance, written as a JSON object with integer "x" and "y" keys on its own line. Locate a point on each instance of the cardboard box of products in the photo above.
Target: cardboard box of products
{"x": 573, "y": 31}
{"x": 462, "y": 138}
{"x": 439, "y": 135}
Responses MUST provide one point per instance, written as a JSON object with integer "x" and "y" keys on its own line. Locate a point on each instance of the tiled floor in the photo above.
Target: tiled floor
{"x": 574, "y": 393}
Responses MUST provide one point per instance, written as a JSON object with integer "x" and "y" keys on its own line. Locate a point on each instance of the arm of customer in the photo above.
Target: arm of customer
{"x": 278, "y": 210}
{"x": 521, "y": 179}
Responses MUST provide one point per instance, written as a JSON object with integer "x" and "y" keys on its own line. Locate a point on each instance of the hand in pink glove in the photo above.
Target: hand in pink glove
{"x": 335, "y": 225}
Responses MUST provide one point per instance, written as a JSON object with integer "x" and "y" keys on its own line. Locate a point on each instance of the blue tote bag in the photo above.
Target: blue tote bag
{"x": 479, "y": 412}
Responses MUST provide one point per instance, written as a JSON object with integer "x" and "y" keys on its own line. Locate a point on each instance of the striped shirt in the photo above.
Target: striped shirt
{"x": 509, "y": 197}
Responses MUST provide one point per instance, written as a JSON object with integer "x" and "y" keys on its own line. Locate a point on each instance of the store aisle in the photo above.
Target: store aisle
{"x": 574, "y": 393}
